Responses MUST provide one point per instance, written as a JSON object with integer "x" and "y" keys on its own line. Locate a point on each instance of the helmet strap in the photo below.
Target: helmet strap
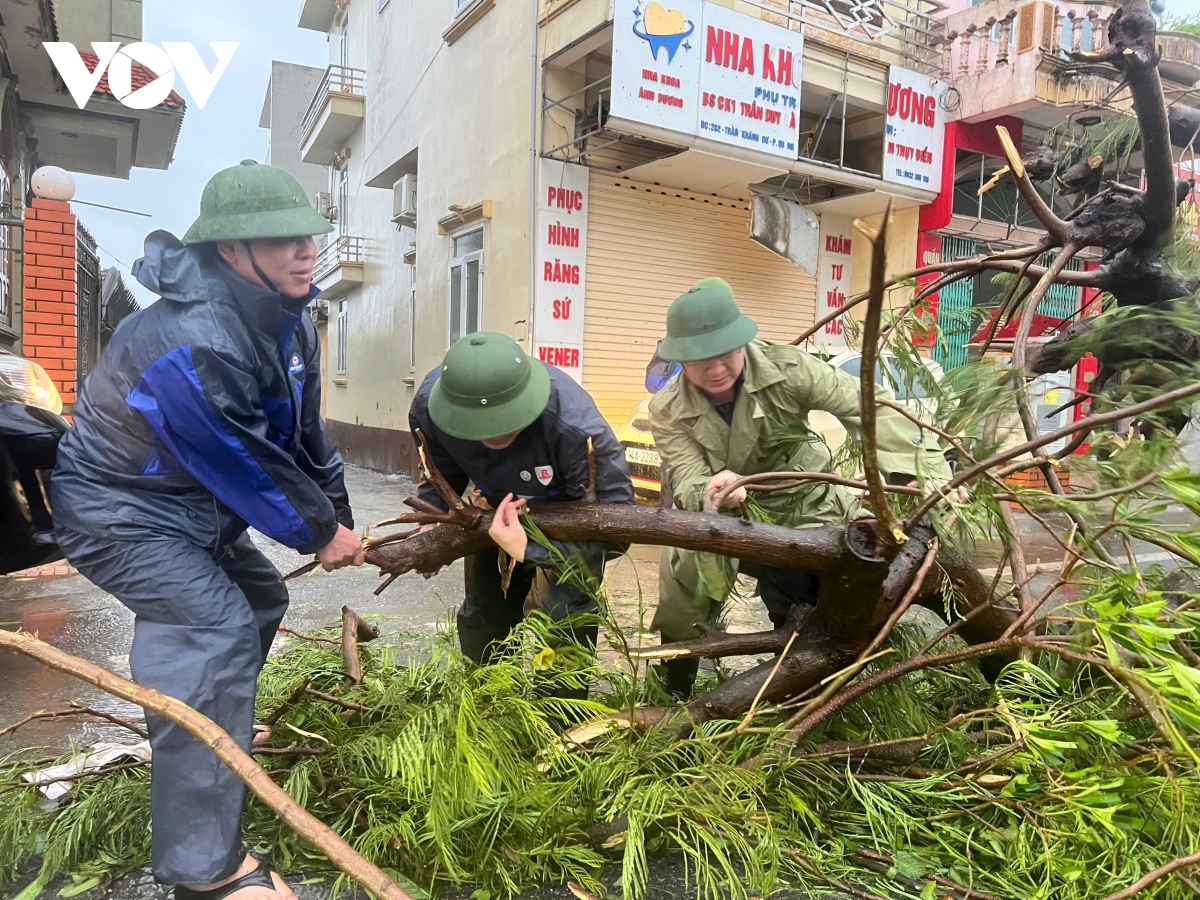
{"x": 257, "y": 270}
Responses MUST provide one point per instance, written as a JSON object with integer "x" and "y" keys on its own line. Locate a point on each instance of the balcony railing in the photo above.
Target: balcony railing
{"x": 341, "y": 80}
{"x": 989, "y": 36}
{"x": 341, "y": 251}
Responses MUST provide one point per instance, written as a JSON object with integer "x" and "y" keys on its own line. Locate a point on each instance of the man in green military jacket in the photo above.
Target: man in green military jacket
{"x": 740, "y": 407}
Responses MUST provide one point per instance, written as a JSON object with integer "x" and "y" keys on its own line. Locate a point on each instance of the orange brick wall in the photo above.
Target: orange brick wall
{"x": 1032, "y": 479}
{"x": 49, "y": 327}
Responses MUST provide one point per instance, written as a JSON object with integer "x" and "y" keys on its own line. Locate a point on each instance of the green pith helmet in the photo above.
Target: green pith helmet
{"x": 705, "y": 322}
{"x": 488, "y": 387}
{"x": 251, "y": 201}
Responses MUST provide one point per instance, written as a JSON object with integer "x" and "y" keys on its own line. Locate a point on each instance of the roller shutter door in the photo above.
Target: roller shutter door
{"x": 648, "y": 244}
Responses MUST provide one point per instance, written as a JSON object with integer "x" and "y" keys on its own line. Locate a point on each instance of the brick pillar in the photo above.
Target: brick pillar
{"x": 48, "y": 324}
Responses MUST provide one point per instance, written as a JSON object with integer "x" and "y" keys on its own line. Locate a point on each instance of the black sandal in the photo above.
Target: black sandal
{"x": 260, "y": 877}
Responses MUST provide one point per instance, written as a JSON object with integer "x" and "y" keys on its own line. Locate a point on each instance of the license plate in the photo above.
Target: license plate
{"x": 643, "y": 456}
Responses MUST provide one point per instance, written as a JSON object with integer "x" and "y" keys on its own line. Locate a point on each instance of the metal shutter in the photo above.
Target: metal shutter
{"x": 648, "y": 244}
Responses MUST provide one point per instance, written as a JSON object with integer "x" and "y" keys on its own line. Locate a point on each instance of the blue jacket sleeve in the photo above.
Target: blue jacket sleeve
{"x": 320, "y": 458}
{"x": 207, "y": 411}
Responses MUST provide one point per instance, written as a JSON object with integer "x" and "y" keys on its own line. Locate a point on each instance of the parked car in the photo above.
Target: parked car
{"x": 645, "y": 463}
{"x": 31, "y": 425}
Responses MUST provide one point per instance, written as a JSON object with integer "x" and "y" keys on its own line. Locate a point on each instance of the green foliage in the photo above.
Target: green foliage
{"x": 102, "y": 828}
{"x": 1045, "y": 787}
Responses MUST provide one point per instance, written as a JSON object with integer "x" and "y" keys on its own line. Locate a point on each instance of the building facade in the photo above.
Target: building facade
{"x": 559, "y": 171}
{"x": 1007, "y": 62}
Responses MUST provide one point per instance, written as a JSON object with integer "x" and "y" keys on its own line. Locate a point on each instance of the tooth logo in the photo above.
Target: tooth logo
{"x": 662, "y": 29}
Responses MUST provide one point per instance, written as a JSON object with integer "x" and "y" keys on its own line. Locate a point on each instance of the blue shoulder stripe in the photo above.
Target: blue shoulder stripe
{"x": 171, "y": 398}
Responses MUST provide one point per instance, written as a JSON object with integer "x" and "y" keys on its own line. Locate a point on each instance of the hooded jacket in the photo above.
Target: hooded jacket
{"x": 203, "y": 417}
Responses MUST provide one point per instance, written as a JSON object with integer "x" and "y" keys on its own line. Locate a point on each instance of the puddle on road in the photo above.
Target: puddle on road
{"x": 78, "y": 619}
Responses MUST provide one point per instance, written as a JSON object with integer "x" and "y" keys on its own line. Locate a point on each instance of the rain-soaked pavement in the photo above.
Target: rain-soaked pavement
{"x": 64, "y": 609}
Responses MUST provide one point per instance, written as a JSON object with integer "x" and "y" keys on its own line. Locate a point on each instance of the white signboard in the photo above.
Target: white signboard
{"x": 561, "y": 265}
{"x": 656, "y": 63}
{"x": 750, "y": 82}
{"x": 833, "y": 277}
{"x": 703, "y": 70}
{"x": 914, "y": 138}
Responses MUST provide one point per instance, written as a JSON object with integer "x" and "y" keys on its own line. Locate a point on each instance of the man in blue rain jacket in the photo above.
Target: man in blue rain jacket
{"x": 202, "y": 418}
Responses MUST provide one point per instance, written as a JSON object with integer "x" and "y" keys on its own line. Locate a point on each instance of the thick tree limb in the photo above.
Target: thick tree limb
{"x": 812, "y": 549}
{"x": 225, "y": 749}
{"x": 1055, "y": 227}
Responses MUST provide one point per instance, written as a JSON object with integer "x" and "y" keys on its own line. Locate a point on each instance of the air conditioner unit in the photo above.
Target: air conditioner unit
{"x": 322, "y": 202}
{"x": 404, "y": 201}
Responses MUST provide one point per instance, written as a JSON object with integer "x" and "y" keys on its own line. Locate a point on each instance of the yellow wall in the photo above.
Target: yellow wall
{"x": 901, "y": 257}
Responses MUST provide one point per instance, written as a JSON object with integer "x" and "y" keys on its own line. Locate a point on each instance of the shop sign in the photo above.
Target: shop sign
{"x": 833, "y": 277}
{"x": 656, "y": 64}
{"x": 561, "y": 265}
{"x": 914, "y": 131}
{"x": 705, "y": 71}
{"x": 750, "y": 82}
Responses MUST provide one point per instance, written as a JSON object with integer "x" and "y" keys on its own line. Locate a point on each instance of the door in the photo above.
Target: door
{"x": 955, "y": 309}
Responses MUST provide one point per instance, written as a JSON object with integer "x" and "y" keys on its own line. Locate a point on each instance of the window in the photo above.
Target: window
{"x": 344, "y": 41}
{"x": 460, "y": 5}
{"x": 382, "y": 4}
{"x": 897, "y": 382}
{"x": 412, "y": 316}
{"x": 466, "y": 283}
{"x": 341, "y": 337}
{"x": 341, "y": 179}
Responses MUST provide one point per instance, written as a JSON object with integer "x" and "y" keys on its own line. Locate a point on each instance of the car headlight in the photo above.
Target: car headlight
{"x": 24, "y": 381}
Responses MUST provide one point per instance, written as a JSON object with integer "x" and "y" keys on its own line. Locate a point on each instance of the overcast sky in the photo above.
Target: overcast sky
{"x": 222, "y": 134}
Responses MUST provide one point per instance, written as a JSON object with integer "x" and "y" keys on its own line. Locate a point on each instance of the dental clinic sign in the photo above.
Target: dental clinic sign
{"x": 914, "y": 131}
{"x": 699, "y": 69}
{"x": 171, "y": 59}
{"x": 561, "y": 279}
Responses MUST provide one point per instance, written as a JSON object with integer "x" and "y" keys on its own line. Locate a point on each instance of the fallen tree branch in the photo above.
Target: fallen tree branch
{"x": 812, "y": 549}
{"x": 328, "y": 841}
{"x": 76, "y": 710}
{"x": 869, "y": 651}
{"x": 1091, "y": 422}
{"x": 77, "y": 776}
{"x": 355, "y": 629}
{"x": 1153, "y": 875}
{"x": 885, "y": 865}
{"x": 337, "y": 701}
{"x": 289, "y": 701}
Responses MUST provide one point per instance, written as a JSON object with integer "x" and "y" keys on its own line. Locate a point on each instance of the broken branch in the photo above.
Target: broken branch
{"x": 888, "y": 526}
{"x": 324, "y": 838}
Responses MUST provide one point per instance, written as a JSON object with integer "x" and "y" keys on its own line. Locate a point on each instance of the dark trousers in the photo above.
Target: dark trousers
{"x": 781, "y": 589}
{"x": 204, "y": 623}
{"x": 487, "y": 616}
